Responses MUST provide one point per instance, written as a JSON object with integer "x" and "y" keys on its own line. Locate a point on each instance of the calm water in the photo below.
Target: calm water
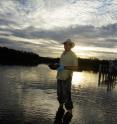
{"x": 28, "y": 96}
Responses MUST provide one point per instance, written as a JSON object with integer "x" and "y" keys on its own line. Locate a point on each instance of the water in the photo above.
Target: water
{"x": 28, "y": 96}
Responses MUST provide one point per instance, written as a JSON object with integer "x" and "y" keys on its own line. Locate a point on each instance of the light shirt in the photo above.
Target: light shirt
{"x": 67, "y": 59}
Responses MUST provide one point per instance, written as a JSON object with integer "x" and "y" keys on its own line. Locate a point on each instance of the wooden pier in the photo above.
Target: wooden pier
{"x": 108, "y": 74}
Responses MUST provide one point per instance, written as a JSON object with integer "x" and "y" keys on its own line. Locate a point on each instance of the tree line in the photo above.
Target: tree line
{"x": 15, "y": 57}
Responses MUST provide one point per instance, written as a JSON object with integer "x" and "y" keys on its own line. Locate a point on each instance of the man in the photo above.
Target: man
{"x": 68, "y": 64}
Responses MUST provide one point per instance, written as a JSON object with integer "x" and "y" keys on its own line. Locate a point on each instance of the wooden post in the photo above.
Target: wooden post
{"x": 108, "y": 74}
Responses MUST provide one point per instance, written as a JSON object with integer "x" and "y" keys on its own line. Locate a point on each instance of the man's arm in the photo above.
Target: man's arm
{"x": 73, "y": 68}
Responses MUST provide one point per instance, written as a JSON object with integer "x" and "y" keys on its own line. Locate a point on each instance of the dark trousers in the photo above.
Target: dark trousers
{"x": 64, "y": 93}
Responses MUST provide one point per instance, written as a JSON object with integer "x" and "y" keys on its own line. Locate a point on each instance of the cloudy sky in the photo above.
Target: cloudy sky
{"x": 42, "y": 25}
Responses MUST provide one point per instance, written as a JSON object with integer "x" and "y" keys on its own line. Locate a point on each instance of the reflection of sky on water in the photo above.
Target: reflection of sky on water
{"x": 38, "y": 103}
{"x": 29, "y": 94}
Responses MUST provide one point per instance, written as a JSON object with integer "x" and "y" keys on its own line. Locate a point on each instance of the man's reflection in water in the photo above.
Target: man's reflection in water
{"x": 62, "y": 117}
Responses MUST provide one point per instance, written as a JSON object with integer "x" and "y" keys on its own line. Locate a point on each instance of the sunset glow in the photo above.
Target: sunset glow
{"x": 35, "y": 24}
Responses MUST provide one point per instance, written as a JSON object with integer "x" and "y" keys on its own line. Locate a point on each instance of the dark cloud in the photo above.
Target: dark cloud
{"x": 41, "y": 48}
{"x": 11, "y": 44}
{"x": 59, "y": 34}
{"x": 85, "y": 35}
{"x": 6, "y": 22}
{"x": 89, "y": 34}
{"x": 109, "y": 30}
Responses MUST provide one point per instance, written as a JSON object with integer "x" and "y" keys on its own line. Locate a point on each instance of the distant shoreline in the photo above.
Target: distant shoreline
{"x": 16, "y": 57}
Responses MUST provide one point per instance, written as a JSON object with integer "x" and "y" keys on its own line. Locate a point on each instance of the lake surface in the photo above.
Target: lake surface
{"x": 28, "y": 96}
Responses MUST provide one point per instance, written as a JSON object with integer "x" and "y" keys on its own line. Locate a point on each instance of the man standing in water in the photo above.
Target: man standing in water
{"x": 68, "y": 64}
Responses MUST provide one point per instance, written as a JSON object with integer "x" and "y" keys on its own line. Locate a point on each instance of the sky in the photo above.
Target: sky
{"x": 41, "y": 26}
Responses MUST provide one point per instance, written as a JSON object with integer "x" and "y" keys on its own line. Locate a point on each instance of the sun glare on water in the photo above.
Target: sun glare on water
{"x": 77, "y": 78}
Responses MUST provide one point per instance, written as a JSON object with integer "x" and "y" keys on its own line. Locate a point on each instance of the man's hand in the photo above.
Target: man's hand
{"x": 53, "y": 66}
{"x": 60, "y": 68}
